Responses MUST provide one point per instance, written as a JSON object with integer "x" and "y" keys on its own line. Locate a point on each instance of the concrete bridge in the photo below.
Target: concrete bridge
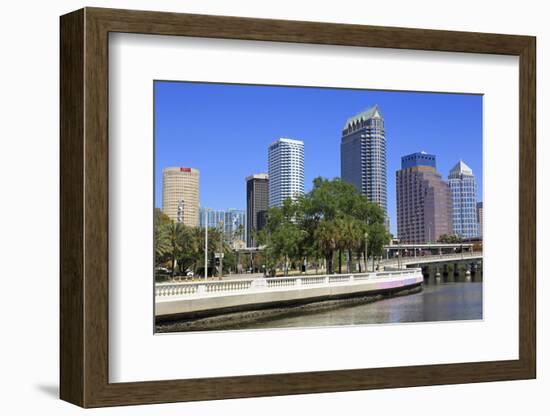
{"x": 407, "y": 254}
{"x": 207, "y": 298}
{"x": 439, "y": 258}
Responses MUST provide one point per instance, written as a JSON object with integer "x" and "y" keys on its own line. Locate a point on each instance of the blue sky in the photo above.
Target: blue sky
{"x": 224, "y": 130}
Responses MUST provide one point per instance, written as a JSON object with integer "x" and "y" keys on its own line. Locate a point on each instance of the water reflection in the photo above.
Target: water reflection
{"x": 444, "y": 298}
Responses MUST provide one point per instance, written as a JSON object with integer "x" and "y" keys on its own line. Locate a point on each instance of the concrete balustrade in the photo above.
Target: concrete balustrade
{"x": 198, "y": 288}
{"x": 208, "y": 298}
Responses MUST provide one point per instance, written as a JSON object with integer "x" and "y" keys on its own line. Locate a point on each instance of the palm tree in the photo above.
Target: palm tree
{"x": 239, "y": 233}
{"x": 192, "y": 247}
{"x": 327, "y": 238}
{"x": 351, "y": 237}
{"x": 378, "y": 236}
{"x": 161, "y": 242}
{"x": 174, "y": 235}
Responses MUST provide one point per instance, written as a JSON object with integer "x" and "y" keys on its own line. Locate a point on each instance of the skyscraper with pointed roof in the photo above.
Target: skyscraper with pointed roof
{"x": 462, "y": 184}
{"x": 363, "y": 155}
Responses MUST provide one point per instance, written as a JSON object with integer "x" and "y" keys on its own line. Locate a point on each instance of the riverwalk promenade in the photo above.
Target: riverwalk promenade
{"x": 208, "y": 298}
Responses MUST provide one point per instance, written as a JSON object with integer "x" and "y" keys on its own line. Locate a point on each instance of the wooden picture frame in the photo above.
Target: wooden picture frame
{"x": 84, "y": 207}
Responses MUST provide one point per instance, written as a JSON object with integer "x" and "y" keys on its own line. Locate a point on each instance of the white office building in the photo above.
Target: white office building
{"x": 462, "y": 184}
{"x": 285, "y": 170}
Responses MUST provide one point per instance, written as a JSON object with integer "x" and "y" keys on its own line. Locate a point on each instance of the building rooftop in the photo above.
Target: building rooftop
{"x": 460, "y": 168}
{"x": 417, "y": 159}
{"x": 372, "y": 112}
{"x": 180, "y": 169}
{"x": 258, "y": 176}
{"x": 286, "y": 140}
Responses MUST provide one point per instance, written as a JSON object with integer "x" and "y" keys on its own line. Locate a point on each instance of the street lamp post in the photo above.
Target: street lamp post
{"x": 222, "y": 225}
{"x": 366, "y": 255}
{"x": 206, "y": 244}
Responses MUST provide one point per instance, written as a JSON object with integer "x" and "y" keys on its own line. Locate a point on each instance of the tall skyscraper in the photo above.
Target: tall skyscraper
{"x": 424, "y": 208}
{"x": 180, "y": 195}
{"x": 480, "y": 219}
{"x": 232, "y": 221}
{"x": 285, "y": 170}
{"x": 462, "y": 184}
{"x": 256, "y": 206}
{"x": 363, "y": 155}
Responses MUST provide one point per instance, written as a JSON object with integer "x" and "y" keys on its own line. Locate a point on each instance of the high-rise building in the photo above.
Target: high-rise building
{"x": 180, "y": 195}
{"x": 462, "y": 184}
{"x": 231, "y": 221}
{"x": 424, "y": 208}
{"x": 256, "y": 206}
{"x": 479, "y": 209}
{"x": 363, "y": 155}
{"x": 285, "y": 170}
{"x": 215, "y": 218}
{"x": 235, "y": 224}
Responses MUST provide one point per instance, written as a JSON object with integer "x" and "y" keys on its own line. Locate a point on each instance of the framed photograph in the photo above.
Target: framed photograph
{"x": 254, "y": 207}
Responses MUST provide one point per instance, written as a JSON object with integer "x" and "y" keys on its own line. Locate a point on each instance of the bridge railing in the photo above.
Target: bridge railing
{"x": 413, "y": 260}
{"x": 268, "y": 284}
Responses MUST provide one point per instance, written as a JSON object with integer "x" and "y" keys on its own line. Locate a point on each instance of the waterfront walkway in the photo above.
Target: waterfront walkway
{"x": 215, "y": 297}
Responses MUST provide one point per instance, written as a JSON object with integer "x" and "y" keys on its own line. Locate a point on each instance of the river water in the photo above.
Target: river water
{"x": 442, "y": 299}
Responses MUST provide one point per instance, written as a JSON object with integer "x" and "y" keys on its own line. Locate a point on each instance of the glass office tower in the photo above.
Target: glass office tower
{"x": 462, "y": 184}
{"x": 363, "y": 155}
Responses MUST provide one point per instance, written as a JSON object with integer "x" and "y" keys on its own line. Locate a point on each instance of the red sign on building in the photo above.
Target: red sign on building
{"x": 185, "y": 169}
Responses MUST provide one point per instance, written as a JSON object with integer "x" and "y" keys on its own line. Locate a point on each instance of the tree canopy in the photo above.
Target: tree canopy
{"x": 330, "y": 220}
{"x": 183, "y": 247}
{"x": 332, "y": 217}
{"x": 449, "y": 239}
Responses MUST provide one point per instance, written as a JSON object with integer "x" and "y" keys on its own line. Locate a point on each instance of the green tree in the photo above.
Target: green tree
{"x": 215, "y": 244}
{"x": 449, "y": 239}
{"x": 326, "y": 237}
{"x": 191, "y": 249}
{"x": 160, "y": 237}
{"x": 174, "y": 235}
{"x": 283, "y": 234}
{"x": 351, "y": 232}
{"x": 378, "y": 236}
{"x": 350, "y": 212}
{"x": 332, "y": 217}
{"x": 239, "y": 233}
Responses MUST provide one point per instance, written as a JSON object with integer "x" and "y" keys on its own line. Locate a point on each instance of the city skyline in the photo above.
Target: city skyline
{"x": 233, "y": 144}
